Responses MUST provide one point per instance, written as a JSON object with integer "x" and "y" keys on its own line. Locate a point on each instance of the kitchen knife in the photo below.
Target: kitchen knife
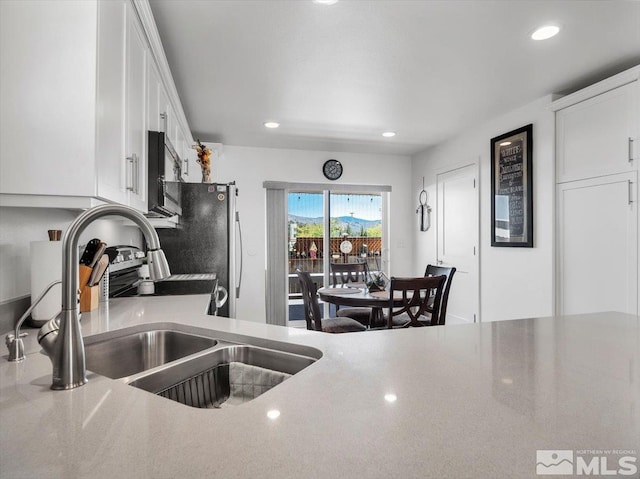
{"x": 98, "y": 270}
{"x": 89, "y": 251}
{"x": 112, "y": 251}
{"x": 98, "y": 254}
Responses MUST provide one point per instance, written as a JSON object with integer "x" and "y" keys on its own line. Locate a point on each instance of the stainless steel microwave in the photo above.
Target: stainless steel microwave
{"x": 164, "y": 198}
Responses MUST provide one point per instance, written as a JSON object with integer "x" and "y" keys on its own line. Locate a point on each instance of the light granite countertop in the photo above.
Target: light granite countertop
{"x": 470, "y": 401}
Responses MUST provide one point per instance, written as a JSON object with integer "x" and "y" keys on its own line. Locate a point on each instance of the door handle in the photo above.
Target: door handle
{"x": 630, "y": 192}
{"x": 630, "y": 149}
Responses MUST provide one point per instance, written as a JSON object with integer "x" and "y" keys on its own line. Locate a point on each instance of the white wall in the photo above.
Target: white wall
{"x": 250, "y": 167}
{"x": 20, "y": 226}
{"x": 515, "y": 282}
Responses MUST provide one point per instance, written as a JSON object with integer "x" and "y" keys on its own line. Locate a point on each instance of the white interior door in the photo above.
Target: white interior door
{"x": 598, "y": 245}
{"x": 457, "y": 223}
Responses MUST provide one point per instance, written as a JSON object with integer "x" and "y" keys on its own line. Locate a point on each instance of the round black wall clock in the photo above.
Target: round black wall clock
{"x": 332, "y": 169}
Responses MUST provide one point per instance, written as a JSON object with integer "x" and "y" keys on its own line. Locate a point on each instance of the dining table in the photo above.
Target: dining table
{"x": 357, "y": 295}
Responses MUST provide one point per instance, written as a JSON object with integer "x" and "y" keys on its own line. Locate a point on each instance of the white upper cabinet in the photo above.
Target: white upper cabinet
{"x": 78, "y": 95}
{"x": 163, "y": 102}
{"x": 110, "y": 147}
{"x": 135, "y": 119}
{"x": 181, "y": 148}
{"x": 598, "y": 136}
{"x": 172, "y": 126}
{"x": 48, "y": 53}
{"x": 153, "y": 98}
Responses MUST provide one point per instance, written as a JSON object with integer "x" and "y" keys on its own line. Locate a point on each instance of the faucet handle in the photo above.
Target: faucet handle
{"x": 11, "y": 336}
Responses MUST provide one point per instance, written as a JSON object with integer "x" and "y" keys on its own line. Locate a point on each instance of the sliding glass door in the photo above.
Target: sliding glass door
{"x": 325, "y": 227}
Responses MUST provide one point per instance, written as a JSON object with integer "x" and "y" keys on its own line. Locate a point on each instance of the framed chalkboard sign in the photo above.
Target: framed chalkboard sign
{"x": 512, "y": 188}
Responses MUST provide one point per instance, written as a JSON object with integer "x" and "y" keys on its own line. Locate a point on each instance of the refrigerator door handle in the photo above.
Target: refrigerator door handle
{"x": 240, "y": 239}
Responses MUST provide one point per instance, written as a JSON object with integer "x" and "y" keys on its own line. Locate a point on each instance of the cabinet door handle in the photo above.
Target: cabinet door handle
{"x": 163, "y": 115}
{"x": 136, "y": 168}
{"x": 630, "y": 192}
{"x": 130, "y": 160}
{"x": 630, "y": 149}
{"x": 186, "y": 167}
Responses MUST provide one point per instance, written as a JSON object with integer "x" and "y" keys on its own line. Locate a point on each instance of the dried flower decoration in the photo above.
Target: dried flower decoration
{"x": 204, "y": 158}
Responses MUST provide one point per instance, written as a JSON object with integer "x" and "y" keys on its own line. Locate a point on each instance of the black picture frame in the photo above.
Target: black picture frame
{"x": 512, "y": 188}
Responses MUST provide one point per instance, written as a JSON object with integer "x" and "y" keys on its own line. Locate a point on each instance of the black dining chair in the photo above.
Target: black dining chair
{"x": 415, "y": 294}
{"x": 441, "y": 271}
{"x": 312, "y": 314}
{"x": 343, "y": 274}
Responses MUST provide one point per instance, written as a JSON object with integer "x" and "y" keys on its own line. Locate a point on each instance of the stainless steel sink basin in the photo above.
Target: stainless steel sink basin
{"x": 129, "y": 354}
{"x": 231, "y": 374}
{"x": 195, "y": 366}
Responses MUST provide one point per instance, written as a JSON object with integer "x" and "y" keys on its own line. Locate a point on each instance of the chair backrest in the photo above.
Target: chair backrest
{"x": 440, "y": 271}
{"x": 312, "y": 313}
{"x": 416, "y": 294}
{"x": 343, "y": 273}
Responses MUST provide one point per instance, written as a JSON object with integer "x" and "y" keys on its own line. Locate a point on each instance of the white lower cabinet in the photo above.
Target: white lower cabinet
{"x": 598, "y": 245}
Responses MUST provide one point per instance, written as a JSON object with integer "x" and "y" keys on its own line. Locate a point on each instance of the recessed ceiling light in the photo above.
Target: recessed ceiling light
{"x": 389, "y": 134}
{"x": 545, "y": 32}
{"x": 271, "y": 124}
{"x": 325, "y": 2}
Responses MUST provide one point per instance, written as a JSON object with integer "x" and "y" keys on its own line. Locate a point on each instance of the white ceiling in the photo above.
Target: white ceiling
{"x": 337, "y": 76}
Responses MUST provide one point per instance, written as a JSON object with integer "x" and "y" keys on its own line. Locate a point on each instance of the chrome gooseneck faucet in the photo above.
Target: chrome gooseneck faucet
{"x": 68, "y": 358}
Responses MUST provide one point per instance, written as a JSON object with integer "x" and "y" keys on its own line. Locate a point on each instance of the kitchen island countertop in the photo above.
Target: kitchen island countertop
{"x": 457, "y": 401}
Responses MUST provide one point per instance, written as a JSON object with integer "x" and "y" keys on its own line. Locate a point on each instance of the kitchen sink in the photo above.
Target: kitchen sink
{"x": 195, "y": 366}
{"x": 132, "y": 353}
{"x": 229, "y": 374}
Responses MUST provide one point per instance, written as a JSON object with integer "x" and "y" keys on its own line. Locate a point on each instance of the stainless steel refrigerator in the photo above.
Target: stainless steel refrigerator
{"x": 206, "y": 248}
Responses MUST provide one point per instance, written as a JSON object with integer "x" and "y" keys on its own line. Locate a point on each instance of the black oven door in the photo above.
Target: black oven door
{"x": 124, "y": 283}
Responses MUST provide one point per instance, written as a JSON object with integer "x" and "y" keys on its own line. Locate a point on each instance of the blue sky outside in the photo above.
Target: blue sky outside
{"x": 363, "y": 206}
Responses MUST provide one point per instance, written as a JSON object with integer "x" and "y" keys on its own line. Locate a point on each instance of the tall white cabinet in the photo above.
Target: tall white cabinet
{"x": 76, "y": 94}
{"x": 597, "y": 135}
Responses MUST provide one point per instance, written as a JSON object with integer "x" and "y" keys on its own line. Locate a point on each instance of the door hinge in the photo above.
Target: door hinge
{"x": 474, "y": 182}
{"x": 475, "y": 320}
{"x": 474, "y": 251}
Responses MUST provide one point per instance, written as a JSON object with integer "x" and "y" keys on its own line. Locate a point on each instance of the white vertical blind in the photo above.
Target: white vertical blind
{"x": 276, "y": 273}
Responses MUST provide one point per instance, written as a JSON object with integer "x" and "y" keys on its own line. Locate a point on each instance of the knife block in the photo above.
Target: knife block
{"x": 89, "y": 298}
